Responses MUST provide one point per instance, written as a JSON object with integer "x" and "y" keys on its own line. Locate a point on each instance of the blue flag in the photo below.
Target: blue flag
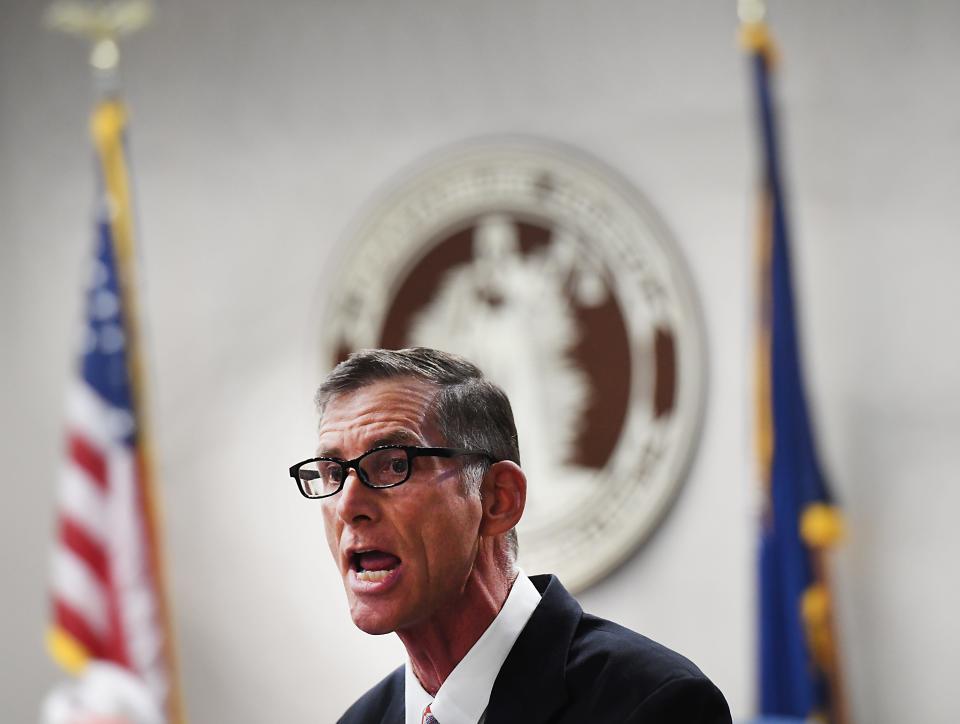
{"x": 798, "y": 674}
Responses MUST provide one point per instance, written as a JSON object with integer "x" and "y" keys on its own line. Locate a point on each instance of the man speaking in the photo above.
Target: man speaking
{"x": 418, "y": 469}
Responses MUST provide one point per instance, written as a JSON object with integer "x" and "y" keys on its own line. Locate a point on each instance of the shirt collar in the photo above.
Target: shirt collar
{"x": 464, "y": 694}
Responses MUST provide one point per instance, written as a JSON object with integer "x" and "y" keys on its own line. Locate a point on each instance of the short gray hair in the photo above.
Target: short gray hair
{"x": 469, "y": 410}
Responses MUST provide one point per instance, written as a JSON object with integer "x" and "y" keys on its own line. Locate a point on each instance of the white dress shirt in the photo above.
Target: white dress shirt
{"x": 463, "y": 696}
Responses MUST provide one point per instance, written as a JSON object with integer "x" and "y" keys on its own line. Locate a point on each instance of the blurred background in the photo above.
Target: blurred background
{"x": 259, "y": 134}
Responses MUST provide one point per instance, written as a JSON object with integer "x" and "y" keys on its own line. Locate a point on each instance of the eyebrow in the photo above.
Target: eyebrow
{"x": 400, "y": 437}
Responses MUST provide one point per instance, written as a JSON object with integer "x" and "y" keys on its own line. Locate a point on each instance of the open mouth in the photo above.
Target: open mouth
{"x": 373, "y": 566}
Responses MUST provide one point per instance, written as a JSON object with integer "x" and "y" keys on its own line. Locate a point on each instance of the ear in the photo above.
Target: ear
{"x": 503, "y": 495}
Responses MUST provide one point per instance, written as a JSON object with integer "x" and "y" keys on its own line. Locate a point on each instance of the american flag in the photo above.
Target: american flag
{"x": 107, "y": 600}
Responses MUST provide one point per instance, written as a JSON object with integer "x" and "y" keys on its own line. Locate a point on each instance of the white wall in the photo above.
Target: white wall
{"x": 260, "y": 130}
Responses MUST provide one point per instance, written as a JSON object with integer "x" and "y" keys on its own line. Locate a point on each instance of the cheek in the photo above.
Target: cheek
{"x": 330, "y": 528}
{"x": 452, "y": 537}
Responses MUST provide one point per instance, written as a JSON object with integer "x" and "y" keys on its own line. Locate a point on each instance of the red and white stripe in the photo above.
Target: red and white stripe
{"x": 104, "y": 588}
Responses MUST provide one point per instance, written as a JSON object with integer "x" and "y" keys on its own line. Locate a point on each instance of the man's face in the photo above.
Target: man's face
{"x": 404, "y": 553}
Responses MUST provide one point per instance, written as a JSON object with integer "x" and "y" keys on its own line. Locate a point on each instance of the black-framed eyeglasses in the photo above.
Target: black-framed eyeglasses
{"x": 382, "y": 467}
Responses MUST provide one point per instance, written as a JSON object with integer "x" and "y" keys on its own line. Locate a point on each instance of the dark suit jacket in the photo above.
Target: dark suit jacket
{"x": 568, "y": 667}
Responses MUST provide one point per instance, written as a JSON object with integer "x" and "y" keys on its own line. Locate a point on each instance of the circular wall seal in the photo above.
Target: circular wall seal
{"x": 557, "y": 279}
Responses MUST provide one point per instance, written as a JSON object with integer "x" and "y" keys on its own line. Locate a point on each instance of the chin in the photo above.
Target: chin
{"x": 374, "y": 629}
{"x": 375, "y": 623}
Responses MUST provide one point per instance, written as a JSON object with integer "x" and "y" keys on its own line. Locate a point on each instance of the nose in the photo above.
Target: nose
{"x": 357, "y": 502}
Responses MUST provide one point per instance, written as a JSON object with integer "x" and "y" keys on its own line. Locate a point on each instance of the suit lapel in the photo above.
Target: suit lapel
{"x": 395, "y": 713}
{"x": 530, "y": 686}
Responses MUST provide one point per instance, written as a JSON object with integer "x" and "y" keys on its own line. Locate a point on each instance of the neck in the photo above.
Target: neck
{"x": 436, "y": 646}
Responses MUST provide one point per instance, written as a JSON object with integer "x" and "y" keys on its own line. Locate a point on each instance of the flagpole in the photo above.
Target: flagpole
{"x": 103, "y": 23}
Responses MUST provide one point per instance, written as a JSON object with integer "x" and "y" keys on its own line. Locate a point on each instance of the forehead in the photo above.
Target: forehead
{"x": 383, "y": 412}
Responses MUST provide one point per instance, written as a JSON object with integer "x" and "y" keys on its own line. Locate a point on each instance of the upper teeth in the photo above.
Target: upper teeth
{"x": 373, "y": 575}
